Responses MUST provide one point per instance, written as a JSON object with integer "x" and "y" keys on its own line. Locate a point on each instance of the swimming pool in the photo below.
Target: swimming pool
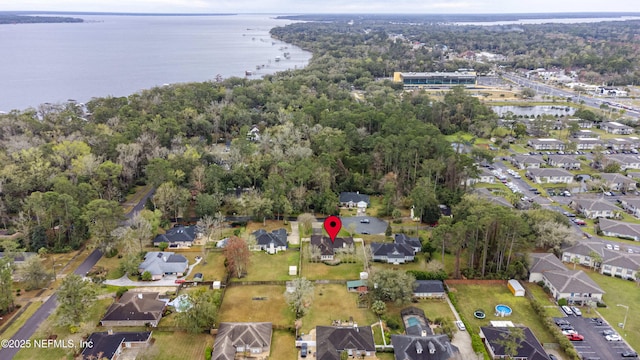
{"x": 503, "y": 310}
{"x": 412, "y": 321}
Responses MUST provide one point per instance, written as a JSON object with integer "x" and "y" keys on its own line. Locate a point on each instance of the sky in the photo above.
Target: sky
{"x": 325, "y": 6}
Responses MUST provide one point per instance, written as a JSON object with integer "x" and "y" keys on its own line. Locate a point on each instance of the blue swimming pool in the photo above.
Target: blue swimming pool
{"x": 412, "y": 321}
{"x": 503, "y": 310}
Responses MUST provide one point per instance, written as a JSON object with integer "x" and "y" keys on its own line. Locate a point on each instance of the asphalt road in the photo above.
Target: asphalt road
{"x": 595, "y": 346}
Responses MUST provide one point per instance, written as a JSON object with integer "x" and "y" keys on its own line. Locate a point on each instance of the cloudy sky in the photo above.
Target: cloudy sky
{"x": 326, "y": 6}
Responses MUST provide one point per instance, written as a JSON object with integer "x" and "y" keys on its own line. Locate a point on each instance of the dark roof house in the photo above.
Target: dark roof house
{"x": 233, "y": 338}
{"x": 179, "y": 236}
{"x": 428, "y": 288}
{"x": 404, "y": 239}
{"x": 109, "y": 345}
{"x": 135, "y": 309}
{"x": 328, "y": 247}
{"x": 356, "y": 341}
{"x": 392, "y": 253}
{"x": 351, "y": 199}
{"x": 530, "y": 348}
{"x": 432, "y": 347}
{"x": 271, "y": 242}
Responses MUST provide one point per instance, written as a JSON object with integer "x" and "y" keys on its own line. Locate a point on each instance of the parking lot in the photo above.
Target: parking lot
{"x": 595, "y": 346}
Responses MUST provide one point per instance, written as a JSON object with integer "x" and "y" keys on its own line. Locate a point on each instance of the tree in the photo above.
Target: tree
{"x": 146, "y": 276}
{"x": 33, "y": 273}
{"x": 102, "y": 217}
{"x": 163, "y": 245}
{"x": 203, "y": 312}
{"x": 238, "y": 256}
{"x": 575, "y": 261}
{"x": 75, "y": 297}
{"x": 206, "y": 227}
{"x": 511, "y": 341}
{"x": 6, "y": 286}
{"x": 170, "y": 199}
{"x": 596, "y": 260}
{"x": 528, "y": 93}
{"x": 305, "y": 222}
{"x": 379, "y": 307}
{"x": 300, "y": 297}
{"x": 392, "y": 286}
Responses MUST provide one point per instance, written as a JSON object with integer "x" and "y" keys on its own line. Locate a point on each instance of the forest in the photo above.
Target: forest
{"x": 331, "y": 127}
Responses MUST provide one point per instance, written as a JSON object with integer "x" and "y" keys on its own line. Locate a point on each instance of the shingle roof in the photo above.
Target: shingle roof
{"x": 330, "y": 340}
{"x": 528, "y": 159}
{"x": 619, "y": 227}
{"x": 572, "y": 281}
{"x": 563, "y": 159}
{"x": 230, "y": 335}
{"x": 136, "y": 306}
{"x": 277, "y": 237}
{"x": 105, "y": 345}
{"x": 529, "y": 349}
{"x": 327, "y": 246}
{"x": 354, "y": 197}
{"x": 389, "y": 250}
{"x": 428, "y": 286}
{"x": 584, "y": 248}
{"x": 404, "y": 239}
{"x": 617, "y": 178}
{"x": 179, "y": 234}
{"x": 595, "y": 205}
{"x": 407, "y": 347}
{"x": 549, "y": 172}
{"x": 158, "y": 263}
{"x": 545, "y": 262}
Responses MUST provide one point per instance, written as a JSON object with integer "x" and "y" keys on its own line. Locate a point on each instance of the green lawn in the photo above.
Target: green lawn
{"x": 213, "y": 269}
{"x": 334, "y": 302}
{"x": 624, "y": 292}
{"x": 486, "y": 297}
{"x": 17, "y": 324}
{"x": 265, "y": 267}
{"x": 343, "y": 271}
{"x": 238, "y": 305}
{"x": 176, "y": 345}
{"x": 283, "y": 345}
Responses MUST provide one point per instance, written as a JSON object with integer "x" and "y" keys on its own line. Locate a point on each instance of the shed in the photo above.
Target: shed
{"x": 216, "y": 285}
{"x": 293, "y": 270}
{"x": 357, "y": 286}
{"x": 515, "y": 287}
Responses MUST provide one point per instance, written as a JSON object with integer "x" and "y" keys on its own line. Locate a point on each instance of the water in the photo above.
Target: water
{"x": 534, "y": 110}
{"x": 120, "y": 55}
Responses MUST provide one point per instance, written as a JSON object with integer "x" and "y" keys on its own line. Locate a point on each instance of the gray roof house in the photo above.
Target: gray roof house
{"x": 527, "y": 161}
{"x": 327, "y": 247}
{"x": 587, "y": 143}
{"x": 542, "y": 176}
{"x": 618, "y": 182}
{"x": 351, "y": 199}
{"x": 614, "y": 127}
{"x": 564, "y": 161}
{"x": 110, "y": 345}
{"x": 428, "y": 289}
{"x": 392, "y": 253}
{"x": 621, "y": 144}
{"x": 432, "y": 347}
{"x": 271, "y": 242}
{"x": 177, "y": 237}
{"x": 160, "y": 264}
{"x": 574, "y": 285}
{"x": 630, "y": 204}
{"x": 356, "y": 341}
{"x": 135, "y": 309}
{"x": 541, "y": 263}
{"x": 594, "y": 208}
{"x": 414, "y": 242}
{"x": 530, "y": 348}
{"x": 616, "y": 263}
{"x": 546, "y": 144}
{"x": 620, "y": 229}
{"x": 240, "y": 338}
{"x": 625, "y": 161}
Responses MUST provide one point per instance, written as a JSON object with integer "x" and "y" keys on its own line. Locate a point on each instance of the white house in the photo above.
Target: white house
{"x": 527, "y": 161}
{"x": 594, "y": 208}
{"x": 611, "y": 262}
{"x": 631, "y": 205}
{"x": 625, "y": 161}
{"x": 587, "y": 143}
{"x": 614, "y": 127}
{"x": 620, "y": 229}
{"x": 546, "y": 144}
{"x": 618, "y": 182}
{"x": 564, "y": 161}
{"x": 542, "y": 176}
{"x": 428, "y": 289}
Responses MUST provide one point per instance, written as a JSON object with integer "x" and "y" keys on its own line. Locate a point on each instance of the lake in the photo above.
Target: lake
{"x": 119, "y": 55}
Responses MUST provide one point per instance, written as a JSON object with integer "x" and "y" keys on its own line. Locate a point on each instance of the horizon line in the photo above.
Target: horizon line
{"x": 75, "y": 12}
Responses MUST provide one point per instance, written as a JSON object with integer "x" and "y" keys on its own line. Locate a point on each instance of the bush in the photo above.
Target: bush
{"x": 208, "y": 352}
{"x": 562, "y": 302}
{"x": 393, "y": 323}
{"x": 146, "y": 276}
{"x": 121, "y": 290}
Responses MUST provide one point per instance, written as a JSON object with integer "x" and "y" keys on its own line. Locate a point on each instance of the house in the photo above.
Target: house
{"x": 587, "y": 143}
{"x": 18, "y": 257}
{"x": 250, "y": 338}
{"x": 328, "y": 248}
{"x": 546, "y": 144}
{"x": 135, "y": 309}
{"x": 419, "y": 342}
{"x": 625, "y": 161}
{"x": 564, "y": 161}
{"x": 614, "y": 127}
{"x": 527, "y": 161}
{"x": 618, "y": 182}
{"x": 270, "y": 242}
{"x": 574, "y": 285}
{"x": 177, "y": 237}
{"x": 359, "y": 286}
{"x": 353, "y": 199}
{"x": 484, "y": 176}
{"x": 586, "y": 134}
{"x": 541, "y": 263}
{"x": 594, "y": 208}
{"x": 541, "y": 176}
{"x": 619, "y": 144}
{"x": 160, "y": 264}
{"x": 414, "y": 242}
{"x": 630, "y": 205}
{"x": 356, "y": 341}
{"x": 110, "y": 345}
{"x": 392, "y": 253}
{"x": 530, "y": 348}
{"x": 611, "y": 262}
{"x": 254, "y": 134}
{"x": 620, "y": 229}
{"x": 428, "y": 289}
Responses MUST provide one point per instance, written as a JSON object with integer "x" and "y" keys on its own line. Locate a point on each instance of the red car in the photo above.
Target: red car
{"x": 180, "y": 281}
{"x": 575, "y": 337}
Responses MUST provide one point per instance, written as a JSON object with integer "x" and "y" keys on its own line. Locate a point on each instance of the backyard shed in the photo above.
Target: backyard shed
{"x": 515, "y": 287}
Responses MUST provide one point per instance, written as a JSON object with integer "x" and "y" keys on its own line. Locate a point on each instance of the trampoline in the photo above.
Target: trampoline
{"x": 479, "y": 314}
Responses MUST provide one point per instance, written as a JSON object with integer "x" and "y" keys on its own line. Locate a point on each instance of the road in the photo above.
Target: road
{"x": 545, "y": 89}
{"x": 31, "y": 325}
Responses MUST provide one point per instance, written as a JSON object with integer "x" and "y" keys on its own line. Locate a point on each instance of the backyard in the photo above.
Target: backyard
{"x": 322, "y": 271}
{"x": 266, "y": 267}
{"x": 192, "y": 346}
{"x": 256, "y": 303}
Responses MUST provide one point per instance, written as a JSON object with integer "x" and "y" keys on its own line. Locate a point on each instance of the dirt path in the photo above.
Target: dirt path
{"x": 294, "y": 237}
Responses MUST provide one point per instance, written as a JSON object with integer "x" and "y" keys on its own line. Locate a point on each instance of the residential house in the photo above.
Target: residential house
{"x": 392, "y": 253}
{"x": 354, "y": 199}
{"x": 586, "y": 134}
{"x": 250, "y": 338}
{"x": 574, "y": 285}
{"x": 625, "y": 161}
{"x": 359, "y": 286}
{"x": 610, "y": 262}
{"x": 587, "y": 143}
{"x": 630, "y": 205}
{"x": 413, "y": 242}
{"x": 635, "y": 175}
{"x": 529, "y": 349}
{"x": 271, "y": 242}
{"x": 542, "y": 176}
{"x": 357, "y": 341}
{"x": 618, "y": 182}
{"x": 546, "y": 144}
{"x": 328, "y": 248}
{"x": 527, "y": 161}
{"x": 594, "y": 208}
{"x": 164, "y": 263}
{"x": 415, "y": 322}
{"x": 619, "y": 229}
{"x": 254, "y": 134}
{"x": 178, "y": 237}
{"x": 428, "y": 289}
{"x": 135, "y": 309}
{"x": 419, "y": 342}
{"x": 110, "y": 345}
{"x": 614, "y": 127}
{"x": 620, "y": 144}
{"x": 564, "y": 161}
{"x": 484, "y": 176}
{"x": 19, "y": 258}
{"x": 541, "y": 263}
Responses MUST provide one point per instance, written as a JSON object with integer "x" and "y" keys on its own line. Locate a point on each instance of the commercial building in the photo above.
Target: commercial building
{"x": 422, "y": 80}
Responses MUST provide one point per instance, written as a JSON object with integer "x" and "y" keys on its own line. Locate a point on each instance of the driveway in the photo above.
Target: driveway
{"x": 294, "y": 237}
{"x": 462, "y": 339}
{"x": 168, "y": 280}
{"x": 375, "y": 226}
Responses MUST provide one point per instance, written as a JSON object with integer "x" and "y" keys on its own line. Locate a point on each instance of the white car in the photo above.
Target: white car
{"x": 613, "y": 337}
{"x": 568, "y": 332}
{"x": 576, "y": 311}
{"x": 460, "y": 325}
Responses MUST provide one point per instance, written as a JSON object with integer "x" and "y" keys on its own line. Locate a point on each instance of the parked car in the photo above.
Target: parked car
{"x": 364, "y": 221}
{"x": 575, "y": 337}
{"x": 609, "y": 247}
{"x": 552, "y": 357}
{"x": 566, "y": 327}
{"x": 562, "y": 322}
{"x": 567, "y": 310}
{"x": 616, "y": 247}
{"x": 461, "y": 326}
{"x": 180, "y": 281}
{"x": 304, "y": 350}
{"x": 608, "y": 332}
{"x": 576, "y": 311}
{"x": 198, "y": 277}
{"x": 613, "y": 337}
{"x": 569, "y": 332}
{"x": 579, "y": 222}
{"x": 629, "y": 354}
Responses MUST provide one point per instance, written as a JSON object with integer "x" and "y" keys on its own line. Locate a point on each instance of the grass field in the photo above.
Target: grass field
{"x": 265, "y": 267}
{"x": 177, "y": 345}
{"x": 486, "y": 297}
{"x": 213, "y": 269}
{"x": 238, "y": 305}
{"x": 343, "y": 271}
{"x": 334, "y": 302}
{"x": 283, "y": 345}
